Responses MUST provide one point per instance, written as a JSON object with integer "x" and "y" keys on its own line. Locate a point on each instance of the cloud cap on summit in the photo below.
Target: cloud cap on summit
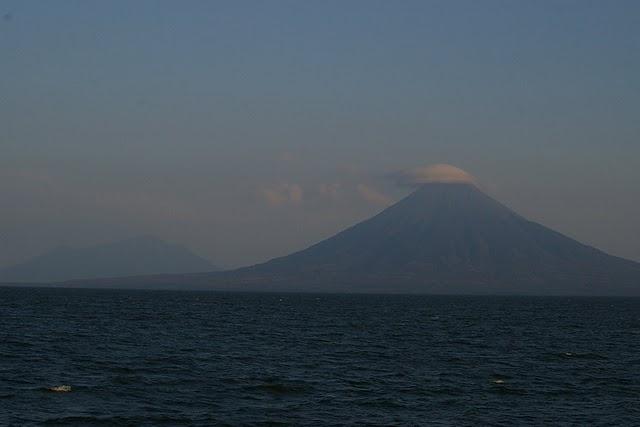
{"x": 438, "y": 173}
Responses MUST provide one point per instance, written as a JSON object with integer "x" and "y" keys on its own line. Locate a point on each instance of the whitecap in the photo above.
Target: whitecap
{"x": 60, "y": 388}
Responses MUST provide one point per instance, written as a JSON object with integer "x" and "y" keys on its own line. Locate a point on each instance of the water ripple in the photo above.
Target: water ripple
{"x": 200, "y": 359}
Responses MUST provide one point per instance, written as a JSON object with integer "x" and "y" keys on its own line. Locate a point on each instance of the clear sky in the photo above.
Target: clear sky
{"x": 246, "y": 130}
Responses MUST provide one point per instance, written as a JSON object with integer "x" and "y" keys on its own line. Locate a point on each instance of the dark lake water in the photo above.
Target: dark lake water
{"x": 203, "y": 358}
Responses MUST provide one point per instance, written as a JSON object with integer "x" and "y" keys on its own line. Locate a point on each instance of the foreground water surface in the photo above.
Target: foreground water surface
{"x": 205, "y": 358}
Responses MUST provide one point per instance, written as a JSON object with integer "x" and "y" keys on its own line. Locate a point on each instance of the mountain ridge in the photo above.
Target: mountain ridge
{"x": 445, "y": 238}
{"x": 140, "y": 255}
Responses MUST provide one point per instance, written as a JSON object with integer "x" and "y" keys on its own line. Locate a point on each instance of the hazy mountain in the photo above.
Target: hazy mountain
{"x": 136, "y": 256}
{"x": 443, "y": 238}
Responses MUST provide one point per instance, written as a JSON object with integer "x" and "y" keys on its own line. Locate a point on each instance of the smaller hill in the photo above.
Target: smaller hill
{"x": 142, "y": 255}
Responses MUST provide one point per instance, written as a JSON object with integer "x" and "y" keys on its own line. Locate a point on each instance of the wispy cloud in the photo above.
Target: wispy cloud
{"x": 373, "y": 196}
{"x": 281, "y": 194}
{"x": 330, "y": 190}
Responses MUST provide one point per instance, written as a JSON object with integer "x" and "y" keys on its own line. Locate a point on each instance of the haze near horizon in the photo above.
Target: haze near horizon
{"x": 248, "y": 130}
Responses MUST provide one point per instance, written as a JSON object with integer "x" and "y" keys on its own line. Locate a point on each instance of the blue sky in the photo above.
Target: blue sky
{"x": 246, "y": 130}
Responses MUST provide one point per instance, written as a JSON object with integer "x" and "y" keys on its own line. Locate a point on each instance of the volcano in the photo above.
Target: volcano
{"x": 451, "y": 238}
{"x": 444, "y": 238}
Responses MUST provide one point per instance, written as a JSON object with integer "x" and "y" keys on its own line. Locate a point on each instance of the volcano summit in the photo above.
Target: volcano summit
{"x": 447, "y": 237}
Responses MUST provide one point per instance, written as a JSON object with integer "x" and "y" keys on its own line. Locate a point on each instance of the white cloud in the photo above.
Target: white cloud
{"x": 434, "y": 173}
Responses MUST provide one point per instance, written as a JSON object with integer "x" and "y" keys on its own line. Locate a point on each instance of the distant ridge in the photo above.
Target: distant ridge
{"x": 135, "y": 256}
{"x": 444, "y": 238}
